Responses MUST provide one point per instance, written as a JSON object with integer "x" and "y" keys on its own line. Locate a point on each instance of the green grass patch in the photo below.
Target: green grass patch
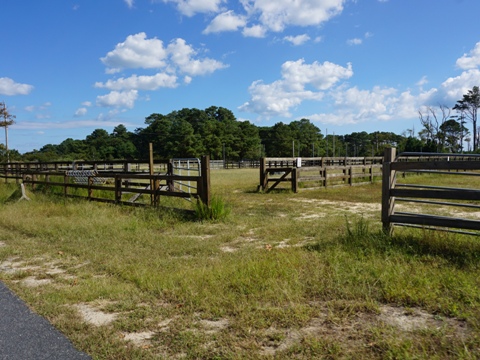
{"x": 284, "y": 275}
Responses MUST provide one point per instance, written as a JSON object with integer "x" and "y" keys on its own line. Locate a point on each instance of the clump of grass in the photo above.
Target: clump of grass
{"x": 218, "y": 209}
{"x": 360, "y": 237}
{"x": 360, "y": 231}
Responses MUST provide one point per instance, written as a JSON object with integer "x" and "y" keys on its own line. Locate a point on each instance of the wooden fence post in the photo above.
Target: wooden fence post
{"x": 118, "y": 189}
{"x": 295, "y": 175}
{"x": 47, "y": 181}
{"x": 205, "y": 180}
{"x": 150, "y": 168}
{"x": 388, "y": 183}
{"x": 263, "y": 177}
{"x": 170, "y": 183}
{"x": 156, "y": 198}
{"x": 65, "y": 182}
{"x": 89, "y": 190}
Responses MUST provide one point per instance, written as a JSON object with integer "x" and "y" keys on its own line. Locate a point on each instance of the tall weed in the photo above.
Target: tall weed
{"x": 218, "y": 209}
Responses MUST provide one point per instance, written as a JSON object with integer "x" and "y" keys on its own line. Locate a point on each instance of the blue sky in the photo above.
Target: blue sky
{"x": 68, "y": 67}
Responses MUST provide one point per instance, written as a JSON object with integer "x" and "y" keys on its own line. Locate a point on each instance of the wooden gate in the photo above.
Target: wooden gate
{"x": 439, "y": 197}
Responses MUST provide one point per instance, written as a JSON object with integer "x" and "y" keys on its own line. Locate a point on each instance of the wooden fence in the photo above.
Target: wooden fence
{"x": 85, "y": 180}
{"x": 433, "y": 198}
{"x": 15, "y": 170}
{"x": 318, "y": 172}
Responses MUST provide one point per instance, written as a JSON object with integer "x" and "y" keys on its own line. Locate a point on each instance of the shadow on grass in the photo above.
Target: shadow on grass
{"x": 459, "y": 250}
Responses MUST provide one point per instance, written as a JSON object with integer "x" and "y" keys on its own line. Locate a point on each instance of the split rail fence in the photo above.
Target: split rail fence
{"x": 431, "y": 200}
{"x": 117, "y": 182}
{"x": 318, "y": 172}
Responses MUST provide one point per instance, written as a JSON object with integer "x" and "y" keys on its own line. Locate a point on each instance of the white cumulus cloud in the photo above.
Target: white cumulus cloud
{"x": 81, "y": 112}
{"x": 274, "y": 99}
{"x": 119, "y": 99}
{"x": 143, "y": 82}
{"x": 192, "y": 7}
{"x": 455, "y": 87}
{"x": 182, "y": 56}
{"x": 297, "y": 40}
{"x": 276, "y": 15}
{"x": 256, "y": 31}
{"x": 227, "y": 21}
{"x": 355, "y": 41}
{"x": 297, "y": 74}
{"x": 10, "y": 87}
{"x": 136, "y": 52}
{"x": 277, "y": 98}
{"x": 261, "y": 16}
{"x": 139, "y": 52}
{"x": 177, "y": 59}
{"x": 471, "y": 60}
{"x": 354, "y": 105}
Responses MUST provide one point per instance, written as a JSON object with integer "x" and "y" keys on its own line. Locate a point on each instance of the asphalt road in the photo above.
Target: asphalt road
{"x": 25, "y": 335}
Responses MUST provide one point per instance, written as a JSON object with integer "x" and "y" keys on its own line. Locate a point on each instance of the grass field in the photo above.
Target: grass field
{"x": 304, "y": 276}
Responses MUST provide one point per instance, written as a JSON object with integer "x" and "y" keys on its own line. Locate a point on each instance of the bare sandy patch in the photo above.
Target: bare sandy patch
{"x": 51, "y": 268}
{"x": 164, "y": 325}
{"x": 12, "y": 265}
{"x": 247, "y": 238}
{"x": 349, "y": 333}
{"x": 95, "y": 316}
{"x": 357, "y": 208}
{"x": 140, "y": 339}
{"x": 283, "y": 244}
{"x": 2, "y": 244}
{"x": 228, "y": 249}
{"x": 418, "y": 319}
{"x": 55, "y": 271}
{"x": 214, "y": 326}
{"x": 31, "y": 281}
{"x": 311, "y": 216}
{"x": 199, "y": 237}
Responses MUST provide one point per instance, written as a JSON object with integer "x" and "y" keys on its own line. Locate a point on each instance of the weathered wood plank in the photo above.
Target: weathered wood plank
{"x": 436, "y": 194}
{"x": 436, "y": 165}
{"x": 439, "y": 221}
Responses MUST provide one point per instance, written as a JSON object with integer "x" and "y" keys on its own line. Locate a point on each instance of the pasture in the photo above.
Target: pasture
{"x": 285, "y": 275}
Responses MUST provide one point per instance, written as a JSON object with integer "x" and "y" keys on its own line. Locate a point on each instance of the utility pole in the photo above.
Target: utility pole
{"x": 334, "y": 144}
{"x": 326, "y": 141}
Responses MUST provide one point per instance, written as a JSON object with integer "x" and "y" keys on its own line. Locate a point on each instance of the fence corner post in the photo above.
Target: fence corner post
{"x": 388, "y": 183}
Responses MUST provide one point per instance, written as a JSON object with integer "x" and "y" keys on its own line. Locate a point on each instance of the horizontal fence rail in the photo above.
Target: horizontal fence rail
{"x": 432, "y": 198}
{"x": 232, "y": 164}
{"x": 318, "y": 172}
{"x": 112, "y": 186}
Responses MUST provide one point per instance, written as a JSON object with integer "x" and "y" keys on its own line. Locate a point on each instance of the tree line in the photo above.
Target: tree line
{"x": 215, "y": 131}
